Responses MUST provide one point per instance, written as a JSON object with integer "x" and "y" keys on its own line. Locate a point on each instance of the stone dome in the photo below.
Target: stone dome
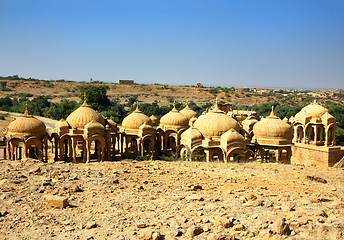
{"x": 188, "y": 112}
{"x": 135, "y": 119}
{"x": 232, "y": 136}
{"x": 83, "y": 115}
{"x": 272, "y": 130}
{"x": 174, "y": 118}
{"x": 94, "y": 125}
{"x": 26, "y": 125}
{"x": 314, "y": 110}
{"x": 249, "y": 122}
{"x": 155, "y": 120}
{"x": 192, "y": 134}
{"x": 215, "y": 123}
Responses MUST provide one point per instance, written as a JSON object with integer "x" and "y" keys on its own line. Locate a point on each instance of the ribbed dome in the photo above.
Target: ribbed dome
{"x": 174, "y": 118}
{"x": 232, "y": 136}
{"x": 135, "y": 119}
{"x": 188, "y": 112}
{"x": 313, "y": 110}
{"x": 192, "y": 134}
{"x": 215, "y": 123}
{"x": 273, "y": 128}
{"x": 94, "y": 125}
{"x": 27, "y": 124}
{"x": 83, "y": 115}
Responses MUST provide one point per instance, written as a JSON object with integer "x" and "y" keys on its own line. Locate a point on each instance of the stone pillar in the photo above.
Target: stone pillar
{"x": 88, "y": 157}
{"x": 296, "y": 136}
{"x": 74, "y": 143}
{"x": 46, "y": 151}
{"x": 304, "y": 135}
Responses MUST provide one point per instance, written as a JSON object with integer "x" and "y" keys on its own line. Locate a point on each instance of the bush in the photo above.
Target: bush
{"x": 340, "y": 135}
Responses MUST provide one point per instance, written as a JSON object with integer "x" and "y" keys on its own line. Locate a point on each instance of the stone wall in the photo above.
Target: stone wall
{"x": 319, "y": 156}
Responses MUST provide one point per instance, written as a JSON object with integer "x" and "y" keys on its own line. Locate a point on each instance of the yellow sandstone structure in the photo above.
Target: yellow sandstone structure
{"x": 216, "y": 135}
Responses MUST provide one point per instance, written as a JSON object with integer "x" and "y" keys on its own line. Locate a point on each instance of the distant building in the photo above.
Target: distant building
{"x": 125, "y": 81}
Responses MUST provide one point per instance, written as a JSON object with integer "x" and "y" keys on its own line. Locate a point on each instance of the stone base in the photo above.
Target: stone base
{"x": 316, "y": 155}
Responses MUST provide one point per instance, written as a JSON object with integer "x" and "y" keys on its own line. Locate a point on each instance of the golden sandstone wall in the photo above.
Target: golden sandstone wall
{"x": 320, "y": 156}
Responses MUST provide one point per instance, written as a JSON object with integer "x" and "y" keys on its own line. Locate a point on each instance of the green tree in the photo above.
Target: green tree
{"x": 95, "y": 96}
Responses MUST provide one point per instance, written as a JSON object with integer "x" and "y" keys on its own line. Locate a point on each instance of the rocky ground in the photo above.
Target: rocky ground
{"x": 170, "y": 200}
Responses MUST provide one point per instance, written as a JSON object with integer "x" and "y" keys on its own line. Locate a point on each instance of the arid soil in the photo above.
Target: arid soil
{"x": 146, "y": 93}
{"x": 170, "y": 200}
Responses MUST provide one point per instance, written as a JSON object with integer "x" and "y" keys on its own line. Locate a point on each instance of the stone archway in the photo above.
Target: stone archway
{"x": 198, "y": 154}
{"x": 236, "y": 155}
{"x": 15, "y": 148}
{"x": 65, "y": 148}
{"x": 95, "y": 148}
{"x": 34, "y": 148}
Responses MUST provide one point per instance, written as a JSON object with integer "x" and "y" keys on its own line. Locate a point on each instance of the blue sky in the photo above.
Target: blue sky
{"x": 254, "y": 43}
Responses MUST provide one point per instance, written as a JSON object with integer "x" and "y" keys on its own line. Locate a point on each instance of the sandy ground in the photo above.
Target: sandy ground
{"x": 171, "y": 200}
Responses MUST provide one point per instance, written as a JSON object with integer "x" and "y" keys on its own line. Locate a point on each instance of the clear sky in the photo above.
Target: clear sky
{"x": 253, "y": 43}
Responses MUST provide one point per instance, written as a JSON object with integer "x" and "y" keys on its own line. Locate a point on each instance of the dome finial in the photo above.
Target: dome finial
{"x": 85, "y": 101}
{"x": 315, "y": 101}
{"x": 272, "y": 114}
{"x": 26, "y": 111}
{"x": 216, "y": 107}
{"x": 137, "y": 106}
{"x": 174, "y": 109}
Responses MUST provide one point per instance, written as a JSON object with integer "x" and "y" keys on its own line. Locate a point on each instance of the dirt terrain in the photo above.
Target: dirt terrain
{"x": 170, "y": 200}
{"x": 149, "y": 93}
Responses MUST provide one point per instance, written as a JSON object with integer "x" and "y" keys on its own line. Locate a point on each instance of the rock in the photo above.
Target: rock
{"x": 197, "y": 187}
{"x": 224, "y": 222}
{"x": 317, "y": 179}
{"x": 156, "y": 236}
{"x": 56, "y": 201}
{"x": 225, "y": 237}
{"x": 252, "y": 197}
{"x": 75, "y": 188}
{"x": 243, "y": 199}
{"x": 91, "y": 224}
{"x": 322, "y": 213}
{"x": 34, "y": 169}
{"x": 239, "y": 227}
{"x": 287, "y": 207}
{"x": 194, "y": 231}
{"x": 141, "y": 225}
{"x": 150, "y": 235}
{"x": 35, "y": 188}
{"x": 281, "y": 227}
{"x": 3, "y": 213}
{"x": 177, "y": 233}
{"x": 194, "y": 197}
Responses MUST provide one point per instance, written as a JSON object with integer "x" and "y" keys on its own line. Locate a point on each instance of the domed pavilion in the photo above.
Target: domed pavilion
{"x": 171, "y": 126}
{"x": 27, "y": 137}
{"x": 314, "y": 136}
{"x": 86, "y": 135}
{"x": 137, "y": 135}
{"x": 274, "y": 138}
{"x": 213, "y": 136}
